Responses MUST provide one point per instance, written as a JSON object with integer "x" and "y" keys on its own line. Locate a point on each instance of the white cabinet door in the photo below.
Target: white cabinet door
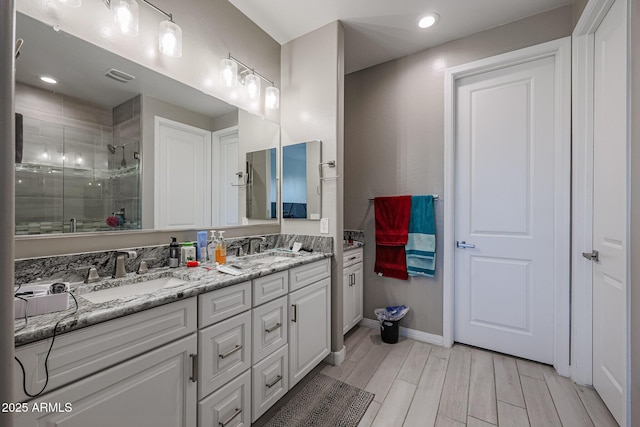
{"x": 352, "y": 280}
{"x": 356, "y": 292}
{"x": 309, "y": 328}
{"x": 347, "y": 299}
{"x": 151, "y": 390}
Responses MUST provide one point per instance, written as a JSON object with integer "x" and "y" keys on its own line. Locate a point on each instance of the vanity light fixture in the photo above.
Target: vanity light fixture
{"x": 71, "y": 3}
{"x": 428, "y": 20}
{"x": 252, "y": 83}
{"x": 233, "y": 71}
{"x": 125, "y": 14}
{"x": 229, "y": 72}
{"x": 79, "y": 159}
{"x": 272, "y": 98}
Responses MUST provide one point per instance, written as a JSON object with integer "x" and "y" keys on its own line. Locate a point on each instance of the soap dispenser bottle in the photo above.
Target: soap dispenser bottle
{"x": 211, "y": 247}
{"x": 174, "y": 253}
{"x": 221, "y": 250}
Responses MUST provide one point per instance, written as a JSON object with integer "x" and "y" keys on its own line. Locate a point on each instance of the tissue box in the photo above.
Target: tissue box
{"x": 40, "y": 302}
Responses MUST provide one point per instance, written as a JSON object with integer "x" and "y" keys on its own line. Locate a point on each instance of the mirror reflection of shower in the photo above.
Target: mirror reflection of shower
{"x": 112, "y": 149}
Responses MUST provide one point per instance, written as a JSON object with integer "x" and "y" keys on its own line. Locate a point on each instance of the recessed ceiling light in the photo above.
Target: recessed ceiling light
{"x": 428, "y": 20}
{"x": 48, "y": 79}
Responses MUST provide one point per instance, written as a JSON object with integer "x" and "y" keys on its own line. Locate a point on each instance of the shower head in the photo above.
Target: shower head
{"x": 111, "y": 148}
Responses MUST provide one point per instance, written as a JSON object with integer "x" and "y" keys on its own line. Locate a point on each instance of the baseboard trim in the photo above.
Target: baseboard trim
{"x": 406, "y": 332}
{"x": 336, "y": 358}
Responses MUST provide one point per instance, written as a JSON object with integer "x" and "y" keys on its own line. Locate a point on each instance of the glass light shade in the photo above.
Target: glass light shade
{"x": 125, "y": 15}
{"x": 272, "y": 98}
{"x": 71, "y": 3}
{"x": 228, "y": 72}
{"x": 170, "y": 39}
{"x": 252, "y": 83}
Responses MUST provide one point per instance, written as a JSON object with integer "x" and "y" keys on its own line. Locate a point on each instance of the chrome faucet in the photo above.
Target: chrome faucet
{"x": 119, "y": 268}
{"x": 261, "y": 246}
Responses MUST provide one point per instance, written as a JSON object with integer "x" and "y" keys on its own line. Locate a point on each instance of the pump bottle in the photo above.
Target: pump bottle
{"x": 221, "y": 250}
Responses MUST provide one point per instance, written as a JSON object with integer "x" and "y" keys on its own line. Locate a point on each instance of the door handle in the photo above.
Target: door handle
{"x": 591, "y": 256}
{"x": 465, "y": 245}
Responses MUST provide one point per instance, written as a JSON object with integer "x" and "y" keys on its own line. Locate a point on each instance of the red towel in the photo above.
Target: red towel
{"x": 392, "y": 233}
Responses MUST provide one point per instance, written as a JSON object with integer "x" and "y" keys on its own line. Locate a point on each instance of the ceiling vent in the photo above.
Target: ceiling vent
{"x": 118, "y": 75}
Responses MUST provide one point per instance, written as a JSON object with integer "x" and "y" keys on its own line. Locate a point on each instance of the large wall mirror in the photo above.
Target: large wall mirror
{"x": 90, "y": 142}
{"x": 301, "y": 183}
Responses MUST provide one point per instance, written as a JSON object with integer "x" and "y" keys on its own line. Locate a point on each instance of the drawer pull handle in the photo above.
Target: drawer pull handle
{"x": 273, "y": 328}
{"x": 274, "y": 382}
{"x": 194, "y": 368}
{"x": 351, "y": 258}
{"x": 230, "y": 352}
{"x": 295, "y": 313}
{"x": 238, "y": 412}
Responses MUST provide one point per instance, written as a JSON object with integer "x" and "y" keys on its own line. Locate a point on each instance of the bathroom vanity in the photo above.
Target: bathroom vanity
{"x": 214, "y": 349}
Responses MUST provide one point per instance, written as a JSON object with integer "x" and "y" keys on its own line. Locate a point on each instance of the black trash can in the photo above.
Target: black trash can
{"x": 389, "y": 331}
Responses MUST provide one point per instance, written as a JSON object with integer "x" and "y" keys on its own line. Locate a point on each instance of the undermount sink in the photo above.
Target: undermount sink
{"x": 132, "y": 289}
{"x": 268, "y": 257}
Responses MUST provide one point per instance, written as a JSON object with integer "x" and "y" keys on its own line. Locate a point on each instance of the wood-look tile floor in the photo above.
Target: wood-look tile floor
{"x": 420, "y": 385}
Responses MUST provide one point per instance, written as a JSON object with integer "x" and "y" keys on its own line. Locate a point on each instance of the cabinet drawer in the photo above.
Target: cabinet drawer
{"x": 270, "y": 381}
{"x": 307, "y": 274}
{"x": 224, "y": 351}
{"x": 229, "y": 406}
{"x": 89, "y": 350}
{"x": 223, "y": 303}
{"x": 351, "y": 257}
{"x": 270, "y": 287}
{"x": 269, "y": 328}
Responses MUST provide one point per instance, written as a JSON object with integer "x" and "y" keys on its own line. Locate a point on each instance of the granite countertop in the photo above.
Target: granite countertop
{"x": 199, "y": 280}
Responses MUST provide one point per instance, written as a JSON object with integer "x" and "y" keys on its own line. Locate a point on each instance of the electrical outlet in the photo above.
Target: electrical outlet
{"x": 324, "y": 225}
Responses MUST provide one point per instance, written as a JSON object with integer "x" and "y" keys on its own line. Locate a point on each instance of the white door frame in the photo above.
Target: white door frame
{"x": 582, "y": 216}
{"x": 560, "y": 50}
{"x": 216, "y": 137}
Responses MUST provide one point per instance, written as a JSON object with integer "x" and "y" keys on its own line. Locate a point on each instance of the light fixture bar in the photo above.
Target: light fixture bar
{"x": 249, "y": 68}
{"x": 168, "y": 15}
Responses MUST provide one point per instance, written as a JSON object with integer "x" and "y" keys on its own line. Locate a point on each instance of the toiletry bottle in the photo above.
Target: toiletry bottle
{"x": 174, "y": 253}
{"x": 211, "y": 248}
{"x": 201, "y": 246}
{"x": 187, "y": 253}
{"x": 221, "y": 250}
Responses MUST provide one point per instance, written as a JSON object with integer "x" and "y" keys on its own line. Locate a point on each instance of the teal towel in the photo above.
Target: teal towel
{"x": 421, "y": 244}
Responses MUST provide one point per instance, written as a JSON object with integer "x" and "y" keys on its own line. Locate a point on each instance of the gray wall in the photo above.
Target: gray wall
{"x": 394, "y": 145}
{"x": 634, "y": 278}
{"x": 312, "y": 108}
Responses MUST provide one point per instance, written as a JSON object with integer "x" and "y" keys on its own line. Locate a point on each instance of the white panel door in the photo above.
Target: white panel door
{"x": 182, "y": 175}
{"x": 610, "y": 211}
{"x": 504, "y": 209}
{"x": 230, "y": 182}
